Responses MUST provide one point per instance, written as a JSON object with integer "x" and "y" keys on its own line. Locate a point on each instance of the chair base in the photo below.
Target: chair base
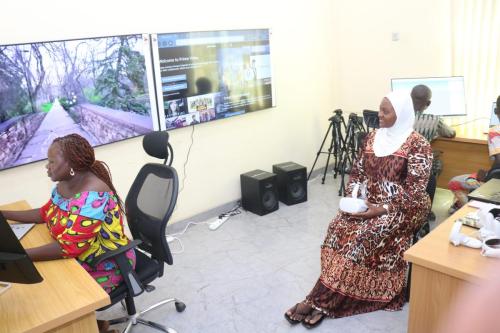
{"x": 136, "y": 318}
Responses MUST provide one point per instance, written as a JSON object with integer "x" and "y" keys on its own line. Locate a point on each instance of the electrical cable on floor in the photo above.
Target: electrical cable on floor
{"x": 174, "y": 237}
{"x": 233, "y": 211}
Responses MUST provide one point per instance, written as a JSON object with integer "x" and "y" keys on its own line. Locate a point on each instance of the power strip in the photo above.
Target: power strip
{"x": 217, "y": 223}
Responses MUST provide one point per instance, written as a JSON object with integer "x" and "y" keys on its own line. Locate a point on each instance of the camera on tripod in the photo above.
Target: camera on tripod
{"x": 355, "y": 119}
{"x": 337, "y": 118}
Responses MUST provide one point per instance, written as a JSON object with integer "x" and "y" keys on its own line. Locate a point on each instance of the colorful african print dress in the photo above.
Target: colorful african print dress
{"x": 362, "y": 266}
{"x": 86, "y": 226}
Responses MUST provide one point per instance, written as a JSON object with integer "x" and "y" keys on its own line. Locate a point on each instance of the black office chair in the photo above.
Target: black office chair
{"x": 494, "y": 173}
{"x": 149, "y": 205}
{"x": 423, "y": 231}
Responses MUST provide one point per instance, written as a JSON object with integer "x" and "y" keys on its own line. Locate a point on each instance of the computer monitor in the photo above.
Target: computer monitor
{"x": 15, "y": 265}
{"x": 494, "y": 118}
{"x": 448, "y": 93}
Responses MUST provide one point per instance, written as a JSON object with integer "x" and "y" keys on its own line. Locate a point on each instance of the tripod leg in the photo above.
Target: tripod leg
{"x": 342, "y": 180}
{"x": 319, "y": 151}
{"x": 327, "y": 160}
{"x": 336, "y": 148}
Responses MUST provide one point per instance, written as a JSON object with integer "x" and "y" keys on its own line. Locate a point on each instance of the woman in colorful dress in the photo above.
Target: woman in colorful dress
{"x": 84, "y": 214}
{"x": 362, "y": 266}
{"x": 462, "y": 185}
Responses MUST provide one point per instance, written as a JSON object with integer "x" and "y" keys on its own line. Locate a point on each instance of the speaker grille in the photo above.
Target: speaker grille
{"x": 269, "y": 200}
{"x": 297, "y": 191}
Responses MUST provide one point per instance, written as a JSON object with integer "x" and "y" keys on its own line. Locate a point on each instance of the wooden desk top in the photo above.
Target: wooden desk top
{"x": 469, "y": 133}
{"x": 435, "y": 252}
{"x": 67, "y": 292}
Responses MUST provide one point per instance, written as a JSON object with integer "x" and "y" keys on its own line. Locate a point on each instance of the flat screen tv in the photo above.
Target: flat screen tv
{"x": 101, "y": 88}
{"x": 494, "y": 118}
{"x": 209, "y": 75}
{"x": 448, "y": 93}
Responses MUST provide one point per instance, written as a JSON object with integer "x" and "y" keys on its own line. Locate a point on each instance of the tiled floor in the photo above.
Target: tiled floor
{"x": 243, "y": 276}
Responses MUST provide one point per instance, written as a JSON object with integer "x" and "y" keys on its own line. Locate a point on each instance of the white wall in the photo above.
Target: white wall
{"x": 224, "y": 149}
{"x": 326, "y": 54}
{"x": 368, "y": 58}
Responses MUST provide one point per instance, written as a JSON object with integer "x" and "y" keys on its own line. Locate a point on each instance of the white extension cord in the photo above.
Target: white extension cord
{"x": 217, "y": 223}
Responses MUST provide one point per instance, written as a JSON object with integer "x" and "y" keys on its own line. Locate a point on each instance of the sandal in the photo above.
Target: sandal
{"x": 294, "y": 312}
{"x": 102, "y": 325}
{"x": 316, "y": 314}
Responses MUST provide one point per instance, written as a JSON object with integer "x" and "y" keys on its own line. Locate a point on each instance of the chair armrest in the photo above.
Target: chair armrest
{"x": 130, "y": 278}
{"x": 114, "y": 253}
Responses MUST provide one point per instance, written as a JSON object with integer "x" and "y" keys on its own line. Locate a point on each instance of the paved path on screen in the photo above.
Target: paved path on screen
{"x": 56, "y": 123}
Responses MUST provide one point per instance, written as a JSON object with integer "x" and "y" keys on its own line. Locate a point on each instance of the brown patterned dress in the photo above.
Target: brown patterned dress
{"x": 362, "y": 266}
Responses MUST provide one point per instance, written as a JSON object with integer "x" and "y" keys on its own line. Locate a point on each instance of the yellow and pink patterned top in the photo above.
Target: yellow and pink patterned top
{"x": 88, "y": 225}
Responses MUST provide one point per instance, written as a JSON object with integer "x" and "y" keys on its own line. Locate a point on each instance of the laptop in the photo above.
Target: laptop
{"x": 488, "y": 192}
{"x": 20, "y": 229}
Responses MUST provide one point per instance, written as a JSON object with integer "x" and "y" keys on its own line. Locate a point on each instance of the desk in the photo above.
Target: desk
{"x": 466, "y": 153}
{"x": 64, "y": 302}
{"x": 439, "y": 270}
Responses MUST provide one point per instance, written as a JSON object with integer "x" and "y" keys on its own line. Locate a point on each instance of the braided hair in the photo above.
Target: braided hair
{"x": 80, "y": 156}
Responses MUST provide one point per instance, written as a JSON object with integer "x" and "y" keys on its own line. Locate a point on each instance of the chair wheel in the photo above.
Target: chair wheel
{"x": 179, "y": 306}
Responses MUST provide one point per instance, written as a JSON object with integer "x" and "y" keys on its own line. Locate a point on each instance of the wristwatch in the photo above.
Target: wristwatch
{"x": 386, "y": 207}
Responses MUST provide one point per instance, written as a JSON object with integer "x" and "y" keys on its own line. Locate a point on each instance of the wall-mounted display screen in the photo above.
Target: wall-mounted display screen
{"x": 448, "y": 93}
{"x": 99, "y": 88}
{"x": 203, "y": 76}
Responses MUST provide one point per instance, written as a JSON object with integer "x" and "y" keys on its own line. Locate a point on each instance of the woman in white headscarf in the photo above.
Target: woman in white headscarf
{"x": 362, "y": 266}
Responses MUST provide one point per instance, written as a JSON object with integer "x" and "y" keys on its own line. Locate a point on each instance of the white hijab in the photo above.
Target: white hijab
{"x": 389, "y": 140}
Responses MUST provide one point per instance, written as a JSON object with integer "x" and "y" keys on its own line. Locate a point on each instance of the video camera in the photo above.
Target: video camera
{"x": 355, "y": 119}
{"x": 337, "y": 118}
{"x": 371, "y": 118}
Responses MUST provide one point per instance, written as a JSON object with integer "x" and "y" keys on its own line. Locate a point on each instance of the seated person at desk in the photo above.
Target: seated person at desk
{"x": 362, "y": 265}
{"x": 430, "y": 127}
{"x": 464, "y": 184}
{"x": 83, "y": 215}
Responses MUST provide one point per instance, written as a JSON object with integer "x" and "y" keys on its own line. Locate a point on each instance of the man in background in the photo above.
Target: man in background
{"x": 430, "y": 127}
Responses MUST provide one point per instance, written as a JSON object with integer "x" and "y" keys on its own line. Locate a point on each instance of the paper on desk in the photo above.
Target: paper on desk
{"x": 482, "y": 205}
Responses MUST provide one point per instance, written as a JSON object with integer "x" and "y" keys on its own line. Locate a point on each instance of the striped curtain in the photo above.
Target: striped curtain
{"x": 476, "y": 55}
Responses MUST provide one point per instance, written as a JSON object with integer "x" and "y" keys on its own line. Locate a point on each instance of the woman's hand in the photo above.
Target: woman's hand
{"x": 25, "y": 216}
{"x": 49, "y": 251}
{"x": 372, "y": 211}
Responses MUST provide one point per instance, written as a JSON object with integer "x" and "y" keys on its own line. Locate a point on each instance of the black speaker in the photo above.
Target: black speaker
{"x": 259, "y": 193}
{"x": 292, "y": 182}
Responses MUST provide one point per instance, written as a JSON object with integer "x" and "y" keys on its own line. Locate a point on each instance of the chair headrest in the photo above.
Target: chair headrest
{"x": 156, "y": 144}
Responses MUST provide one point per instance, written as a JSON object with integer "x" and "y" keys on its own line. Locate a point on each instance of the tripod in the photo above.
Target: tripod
{"x": 336, "y": 144}
{"x": 354, "y": 133}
